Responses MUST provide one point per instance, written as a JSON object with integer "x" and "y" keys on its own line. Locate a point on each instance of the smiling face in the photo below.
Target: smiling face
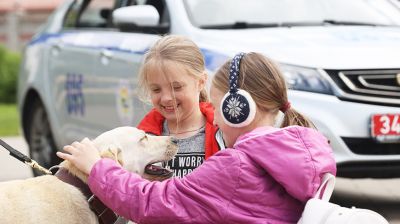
{"x": 174, "y": 92}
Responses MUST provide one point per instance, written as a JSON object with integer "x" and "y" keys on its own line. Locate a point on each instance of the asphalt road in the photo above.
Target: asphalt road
{"x": 12, "y": 168}
{"x": 382, "y": 196}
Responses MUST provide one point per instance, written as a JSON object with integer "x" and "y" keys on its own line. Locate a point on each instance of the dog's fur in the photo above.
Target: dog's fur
{"x": 46, "y": 199}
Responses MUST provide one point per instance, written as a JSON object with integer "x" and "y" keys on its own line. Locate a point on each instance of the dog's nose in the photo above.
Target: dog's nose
{"x": 174, "y": 140}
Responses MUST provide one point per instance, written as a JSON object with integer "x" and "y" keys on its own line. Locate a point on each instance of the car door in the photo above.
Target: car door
{"x": 71, "y": 64}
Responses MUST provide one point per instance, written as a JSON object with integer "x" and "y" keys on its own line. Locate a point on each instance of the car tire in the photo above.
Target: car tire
{"x": 42, "y": 147}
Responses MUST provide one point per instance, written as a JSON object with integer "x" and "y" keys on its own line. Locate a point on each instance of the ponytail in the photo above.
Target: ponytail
{"x": 292, "y": 117}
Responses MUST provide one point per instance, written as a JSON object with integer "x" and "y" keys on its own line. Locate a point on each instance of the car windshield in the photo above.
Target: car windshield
{"x": 220, "y": 14}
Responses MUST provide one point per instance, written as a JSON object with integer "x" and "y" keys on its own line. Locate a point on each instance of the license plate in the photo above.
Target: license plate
{"x": 386, "y": 127}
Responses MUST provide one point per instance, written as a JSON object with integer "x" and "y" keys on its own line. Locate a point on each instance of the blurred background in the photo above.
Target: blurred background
{"x": 19, "y": 20}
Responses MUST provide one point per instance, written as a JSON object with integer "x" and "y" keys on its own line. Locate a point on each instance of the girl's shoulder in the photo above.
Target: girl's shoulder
{"x": 290, "y": 133}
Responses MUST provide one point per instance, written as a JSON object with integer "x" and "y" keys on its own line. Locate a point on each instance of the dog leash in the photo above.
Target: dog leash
{"x": 23, "y": 158}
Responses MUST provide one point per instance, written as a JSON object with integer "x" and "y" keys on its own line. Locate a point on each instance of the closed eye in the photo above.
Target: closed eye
{"x": 177, "y": 88}
{"x": 156, "y": 90}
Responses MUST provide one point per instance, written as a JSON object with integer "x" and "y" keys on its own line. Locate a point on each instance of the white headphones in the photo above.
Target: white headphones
{"x": 238, "y": 108}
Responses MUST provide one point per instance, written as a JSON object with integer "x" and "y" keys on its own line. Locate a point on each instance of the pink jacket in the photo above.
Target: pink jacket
{"x": 265, "y": 178}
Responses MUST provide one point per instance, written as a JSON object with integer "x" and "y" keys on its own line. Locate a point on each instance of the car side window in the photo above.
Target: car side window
{"x": 72, "y": 15}
{"x": 89, "y": 13}
{"x": 96, "y": 13}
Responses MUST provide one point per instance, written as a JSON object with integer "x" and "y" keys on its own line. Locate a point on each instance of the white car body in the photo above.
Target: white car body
{"x": 92, "y": 68}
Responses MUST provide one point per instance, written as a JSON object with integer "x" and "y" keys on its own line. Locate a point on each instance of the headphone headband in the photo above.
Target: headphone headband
{"x": 234, "y": 72}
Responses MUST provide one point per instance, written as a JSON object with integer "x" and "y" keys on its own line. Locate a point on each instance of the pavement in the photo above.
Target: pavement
{"x": 12, "y": 168}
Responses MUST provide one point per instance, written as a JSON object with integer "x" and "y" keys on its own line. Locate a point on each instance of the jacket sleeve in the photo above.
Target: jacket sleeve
{"x": 201, "y": 196}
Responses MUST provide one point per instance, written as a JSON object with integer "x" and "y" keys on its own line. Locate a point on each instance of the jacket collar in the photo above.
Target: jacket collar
{"x": 153, "y": 121}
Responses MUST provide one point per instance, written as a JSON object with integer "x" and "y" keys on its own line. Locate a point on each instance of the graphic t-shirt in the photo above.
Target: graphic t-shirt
{"x": 190, "y": 153}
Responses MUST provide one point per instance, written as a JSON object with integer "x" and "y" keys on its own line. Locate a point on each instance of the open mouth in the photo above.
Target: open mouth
{"x": 170, "y": 108}
{"x": 158, "y": 170}
{"x": 155, "y": 169}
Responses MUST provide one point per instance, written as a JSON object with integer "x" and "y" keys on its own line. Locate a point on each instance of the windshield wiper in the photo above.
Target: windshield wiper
{"x": 240, "y": 25}
{"x": 349, "y": 23}
{"x": 246, "y": 25}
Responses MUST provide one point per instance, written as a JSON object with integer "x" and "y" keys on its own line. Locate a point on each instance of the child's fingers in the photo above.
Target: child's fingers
{"x": 76, "y": 145}
{"x": 89, "y": 145}
{"x": 86, "y": 141}
{"x": 70, "y": 149}
{"x": 64, "y": 156}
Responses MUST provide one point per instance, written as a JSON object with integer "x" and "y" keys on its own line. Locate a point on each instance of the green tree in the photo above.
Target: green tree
{"x": 9, "y": 65}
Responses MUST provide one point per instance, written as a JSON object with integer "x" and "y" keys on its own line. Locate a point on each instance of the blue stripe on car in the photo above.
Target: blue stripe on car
{"x": 213, "y": 59}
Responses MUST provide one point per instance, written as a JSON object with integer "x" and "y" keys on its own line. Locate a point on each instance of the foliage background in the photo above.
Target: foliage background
{"x": 9, "y": 65}
{"x": 9, "y": 122}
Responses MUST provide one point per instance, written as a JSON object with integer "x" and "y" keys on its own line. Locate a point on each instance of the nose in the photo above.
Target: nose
{"x": 166, "y": 96}
{"x": 174, "y": 140}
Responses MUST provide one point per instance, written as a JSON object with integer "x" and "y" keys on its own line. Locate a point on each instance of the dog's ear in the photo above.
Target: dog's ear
{"x": 113, "y": 153}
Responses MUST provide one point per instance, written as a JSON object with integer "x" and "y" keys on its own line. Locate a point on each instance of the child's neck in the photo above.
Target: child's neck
{"x": 187, "y": 126}
{"x": 263, "y": 119}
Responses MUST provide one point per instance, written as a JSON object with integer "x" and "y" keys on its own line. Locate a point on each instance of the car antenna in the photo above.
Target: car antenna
{"x": 23, "y": 158}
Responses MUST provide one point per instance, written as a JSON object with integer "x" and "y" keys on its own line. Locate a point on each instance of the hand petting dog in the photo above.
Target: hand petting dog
{"x": 82, "y": 154}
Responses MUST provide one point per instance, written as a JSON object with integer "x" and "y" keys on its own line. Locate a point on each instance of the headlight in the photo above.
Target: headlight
{"x": 305, "y": 79}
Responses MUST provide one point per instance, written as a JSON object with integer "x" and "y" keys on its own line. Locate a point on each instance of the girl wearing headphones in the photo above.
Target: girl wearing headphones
{"x": 273, "y": 164}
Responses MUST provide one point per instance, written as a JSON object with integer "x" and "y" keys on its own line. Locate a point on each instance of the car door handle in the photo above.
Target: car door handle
{"x": 105, "y": 56}
{"x": 56, "y": 48}
{"x": 106, "y": 53}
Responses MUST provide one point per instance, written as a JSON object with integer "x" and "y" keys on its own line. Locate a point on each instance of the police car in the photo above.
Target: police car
{"x": 341, "y": 60}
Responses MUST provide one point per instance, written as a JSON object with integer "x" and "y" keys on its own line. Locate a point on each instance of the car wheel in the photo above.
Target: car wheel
{"x": 41, "y": 143}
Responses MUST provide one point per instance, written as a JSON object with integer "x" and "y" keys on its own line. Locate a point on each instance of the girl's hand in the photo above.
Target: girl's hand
{"x": 82, "y": 154}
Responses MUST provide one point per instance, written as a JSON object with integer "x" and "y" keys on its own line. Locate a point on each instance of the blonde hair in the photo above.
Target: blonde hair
{"x": 261, "y": 77}
{"x": 177, "y": 49}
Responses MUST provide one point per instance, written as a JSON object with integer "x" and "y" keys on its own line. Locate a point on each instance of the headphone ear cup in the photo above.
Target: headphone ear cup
{"x": 238, "y": 109}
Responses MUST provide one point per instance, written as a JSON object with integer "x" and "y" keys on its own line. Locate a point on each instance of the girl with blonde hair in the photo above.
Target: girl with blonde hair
{"x": 173, "y": 76}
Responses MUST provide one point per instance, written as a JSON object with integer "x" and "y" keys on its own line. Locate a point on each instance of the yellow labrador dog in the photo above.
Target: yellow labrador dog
{"x": 47, "y": 199}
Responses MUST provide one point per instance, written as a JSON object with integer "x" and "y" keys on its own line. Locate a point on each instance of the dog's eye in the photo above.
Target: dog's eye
{"x": 144, "y": 138}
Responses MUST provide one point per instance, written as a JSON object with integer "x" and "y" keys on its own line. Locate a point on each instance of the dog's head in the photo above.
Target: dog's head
{"x": 136, "y": 151}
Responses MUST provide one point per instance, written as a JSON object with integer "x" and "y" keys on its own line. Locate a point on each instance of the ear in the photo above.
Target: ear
{"x": 202, "y": 81}
{"x": 113, "y": 153}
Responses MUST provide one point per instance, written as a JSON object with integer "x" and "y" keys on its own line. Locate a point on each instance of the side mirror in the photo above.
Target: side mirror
{"x": 136, "y": 15}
